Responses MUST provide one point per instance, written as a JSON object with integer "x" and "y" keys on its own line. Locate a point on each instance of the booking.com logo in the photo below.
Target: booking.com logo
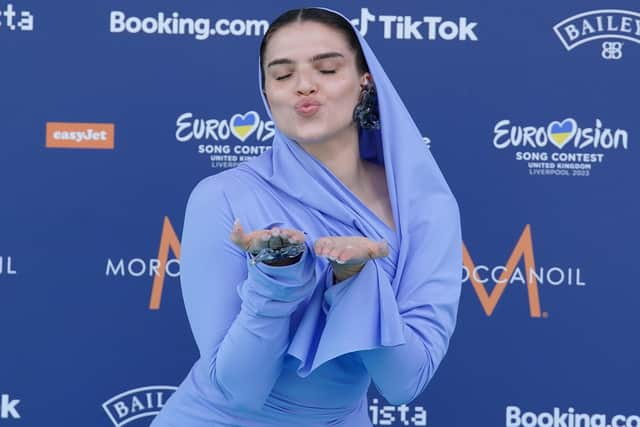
{"x": 175, "y": 24}
{"x": 511, "y": 273}
{"x": 515, "y": 417}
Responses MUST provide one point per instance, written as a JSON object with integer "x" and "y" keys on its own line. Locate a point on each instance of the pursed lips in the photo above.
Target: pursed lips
{"x": 307, "y": 106}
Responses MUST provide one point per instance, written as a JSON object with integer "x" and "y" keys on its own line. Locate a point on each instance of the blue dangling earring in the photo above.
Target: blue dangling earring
{"x": 366, "y": 113}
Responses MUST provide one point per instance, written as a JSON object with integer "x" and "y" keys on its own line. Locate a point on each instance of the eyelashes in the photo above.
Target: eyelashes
{"x": 286, "y": 76}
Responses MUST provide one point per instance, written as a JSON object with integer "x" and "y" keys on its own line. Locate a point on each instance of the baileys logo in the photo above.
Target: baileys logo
{"x": 604, "y": 24}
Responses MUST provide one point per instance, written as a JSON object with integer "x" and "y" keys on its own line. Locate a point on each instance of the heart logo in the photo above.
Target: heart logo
{"x": 561, "y": 132}
{"x": 243, "y": 125}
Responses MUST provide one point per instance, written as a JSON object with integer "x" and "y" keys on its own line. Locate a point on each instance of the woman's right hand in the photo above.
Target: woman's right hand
{"x": 274, "y": 238}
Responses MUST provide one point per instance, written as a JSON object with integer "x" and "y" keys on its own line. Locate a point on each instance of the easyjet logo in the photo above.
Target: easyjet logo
{"x": 80, "y": 135}
{"x": 489, "y": 300}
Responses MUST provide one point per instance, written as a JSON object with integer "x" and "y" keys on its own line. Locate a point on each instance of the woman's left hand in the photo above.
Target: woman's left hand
{"x": 349, "y": 254}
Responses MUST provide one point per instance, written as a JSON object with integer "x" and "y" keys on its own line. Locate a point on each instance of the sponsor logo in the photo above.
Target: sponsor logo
{"x": 511, "y": 273}
{"x": 515, "y": 417}
{"x": 227, "y": 142}
{"x": 172, "y": 24}
{"x": 607, "y": 24}
{"x": 387, "y": 415}
{"x": 560, "y": 148}
{"x": 158, "y": 268}
{"x": 6, "y": 266}
{"x": 398, "y": 27}
{"x": 80, "y": 135}
{"x": 8, "y": 407}
{"x": 137, "y": 403}
{"x": 417, "y": 28}
{"x": 15, "y": 21}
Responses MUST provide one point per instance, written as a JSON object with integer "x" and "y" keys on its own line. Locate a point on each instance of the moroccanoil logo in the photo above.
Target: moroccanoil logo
{"x": 158, "y": 268}
{"x": 512, "y": 273}
{"x": 80, "y": 135}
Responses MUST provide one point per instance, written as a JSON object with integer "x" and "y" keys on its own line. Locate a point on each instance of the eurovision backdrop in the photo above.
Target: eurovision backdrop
{"x": 112, "y": 111}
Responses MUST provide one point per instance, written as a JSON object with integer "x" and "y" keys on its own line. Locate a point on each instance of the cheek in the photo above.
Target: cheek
{"x": 276, "y": 101}
{"x": 346, "y": 99}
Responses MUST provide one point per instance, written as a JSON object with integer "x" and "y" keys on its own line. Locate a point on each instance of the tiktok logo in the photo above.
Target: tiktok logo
{"x": 418, "y": 28}
{"x": 8, "y": 407}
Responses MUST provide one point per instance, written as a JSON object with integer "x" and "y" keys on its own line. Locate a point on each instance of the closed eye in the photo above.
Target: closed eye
{"x": 286, "y": 76}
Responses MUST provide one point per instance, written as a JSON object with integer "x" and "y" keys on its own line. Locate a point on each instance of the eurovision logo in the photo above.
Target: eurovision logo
{"x": 158, "y": 268}
{"x": 137, "y": 403}
{"x": 511, "y": 273}
{"x": 560, "y": 147}
{"x": 234, "y": 140}
{"x": 610, "y": 25}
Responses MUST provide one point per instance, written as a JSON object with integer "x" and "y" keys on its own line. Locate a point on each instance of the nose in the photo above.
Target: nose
{"x": 305, "y": 84}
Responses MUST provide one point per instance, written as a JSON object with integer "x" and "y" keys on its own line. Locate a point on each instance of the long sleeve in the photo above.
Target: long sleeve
{"x": 426, "y": 302}
{"x": 239, "y": 313}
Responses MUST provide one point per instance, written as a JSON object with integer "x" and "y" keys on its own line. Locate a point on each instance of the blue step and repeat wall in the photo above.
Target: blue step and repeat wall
{"x": 111, "y": 112}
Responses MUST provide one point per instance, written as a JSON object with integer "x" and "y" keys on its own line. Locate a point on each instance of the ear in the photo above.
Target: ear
{"x": 365, "y": 79}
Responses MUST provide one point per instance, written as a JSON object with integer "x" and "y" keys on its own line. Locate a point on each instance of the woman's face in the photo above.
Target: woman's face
{"x": 311, "y": 82}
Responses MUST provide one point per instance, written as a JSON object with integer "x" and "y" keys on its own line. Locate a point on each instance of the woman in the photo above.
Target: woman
{"x": 352, "y": 271}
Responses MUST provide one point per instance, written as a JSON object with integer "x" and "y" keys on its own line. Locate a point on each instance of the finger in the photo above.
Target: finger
{"x": 237, "y": 235}
{"x": 345, "y": 255}
{"x": 326, "y": 246}
{"x": 334, "y": 253}
{"x": 318, "y": 245}
{"x": 276, "y": 242}
{"x": 258, "y": 240}
{"x": 236, "y": 231}
{"x": 294, "y": 236}
{"x": 378, "y": 249}
{"x": 383, "y": 248}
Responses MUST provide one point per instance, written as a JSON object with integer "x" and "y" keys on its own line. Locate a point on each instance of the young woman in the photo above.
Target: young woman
{"x": 350, "y": 268}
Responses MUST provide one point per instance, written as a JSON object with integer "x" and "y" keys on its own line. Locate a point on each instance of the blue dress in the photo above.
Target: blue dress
{"x": 283, "y": 346}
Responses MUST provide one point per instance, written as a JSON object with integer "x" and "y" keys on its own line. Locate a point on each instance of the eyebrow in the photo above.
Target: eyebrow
{"x": 313, "y": 59}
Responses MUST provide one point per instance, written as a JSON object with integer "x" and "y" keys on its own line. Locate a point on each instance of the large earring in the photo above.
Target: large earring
{"x": 366, "y": 113}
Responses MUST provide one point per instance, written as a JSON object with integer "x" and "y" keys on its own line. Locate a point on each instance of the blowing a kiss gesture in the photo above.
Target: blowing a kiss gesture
{"x": 347, "y": 254}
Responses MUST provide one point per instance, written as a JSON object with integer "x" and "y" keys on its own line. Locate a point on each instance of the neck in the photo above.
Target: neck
{"x": 341, "y": 155}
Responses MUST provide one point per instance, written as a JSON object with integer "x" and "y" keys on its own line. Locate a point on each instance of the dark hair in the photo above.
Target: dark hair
{"x": 321, "y": 16}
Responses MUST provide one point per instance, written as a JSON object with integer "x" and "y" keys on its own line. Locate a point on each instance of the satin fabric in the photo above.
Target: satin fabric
{"x": 283, "y": 346}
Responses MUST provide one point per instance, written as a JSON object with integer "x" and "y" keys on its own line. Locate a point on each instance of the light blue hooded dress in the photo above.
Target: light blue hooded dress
{"x": 283, "y": 346}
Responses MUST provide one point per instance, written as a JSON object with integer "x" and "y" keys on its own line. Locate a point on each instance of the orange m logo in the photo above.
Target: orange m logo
{"x": 168, "y": 240}
{"x": 524, "y": 248}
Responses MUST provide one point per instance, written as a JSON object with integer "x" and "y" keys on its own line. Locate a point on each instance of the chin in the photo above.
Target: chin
{"x": 309, "y": 137}
{"x": 319, "y": 136}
